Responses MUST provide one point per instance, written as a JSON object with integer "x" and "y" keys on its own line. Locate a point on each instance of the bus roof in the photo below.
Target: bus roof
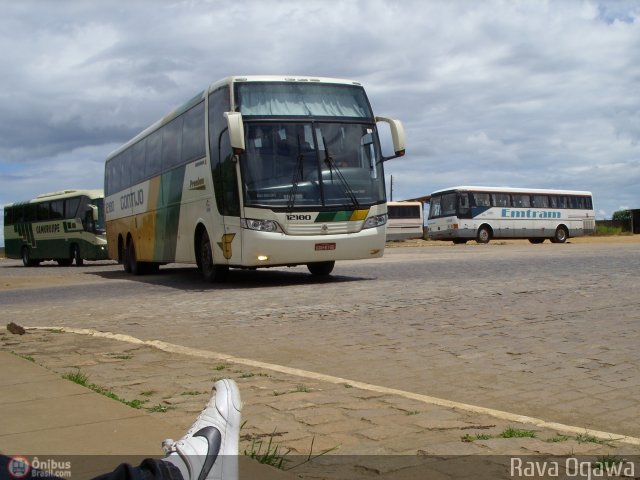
{"x": 219, "y": 83}
{"x": 541, "y": 191}
{"x": 62, "y": 194}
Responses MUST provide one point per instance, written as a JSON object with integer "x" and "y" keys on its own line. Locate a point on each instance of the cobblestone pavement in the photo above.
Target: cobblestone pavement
{"x": 547, "y": 331}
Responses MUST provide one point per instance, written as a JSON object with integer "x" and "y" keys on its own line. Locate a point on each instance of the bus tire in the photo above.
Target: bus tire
{"x": 27, "y": 261}
{"x": 561, "y": 235}
{"x": 536, "y": 240}
{"x": 321, "y": 269}
{"x": 75, "y": 255}
{"x": 484, "y": 234}
{"x": 210, "y": 271}
{"x": 135, "y": 267}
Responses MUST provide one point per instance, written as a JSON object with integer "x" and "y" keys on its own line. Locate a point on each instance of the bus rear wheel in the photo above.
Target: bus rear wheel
{"x": 560, "y": 236}
{"x": 131, "y": 261}
{"x": 321, "y": 269}
{"x": 210, "y": 271}
{"x": 484, "y": 234}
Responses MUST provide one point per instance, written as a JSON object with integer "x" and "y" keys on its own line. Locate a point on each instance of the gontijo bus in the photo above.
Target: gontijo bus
{"x": 253, "y": 172}
{"x": 65, "y": 226}
{"x": 482, "y": 213}
{"x": 406, "y": 220}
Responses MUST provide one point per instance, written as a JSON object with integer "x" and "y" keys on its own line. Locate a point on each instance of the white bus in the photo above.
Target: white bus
{"x": 253, "y": 172}
{"x": 406, "y": 220}
{"x": 460, "y": 214}
{"x": 65, "y": 226}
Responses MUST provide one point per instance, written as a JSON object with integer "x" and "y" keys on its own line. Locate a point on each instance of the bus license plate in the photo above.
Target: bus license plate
{"x": 325, "y": 246}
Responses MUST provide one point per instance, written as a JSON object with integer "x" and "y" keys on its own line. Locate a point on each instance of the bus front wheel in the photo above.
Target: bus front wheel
{"x": 210, "y": 271}
{"x": 484, "y": 234}
{"x": 75, "y": 255}
{"x": 321, "y": 269}
{"x": 561, "y": 235}
{"x": 27, "y": 261}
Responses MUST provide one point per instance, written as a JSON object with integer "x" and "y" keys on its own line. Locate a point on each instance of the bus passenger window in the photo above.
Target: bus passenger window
{"x": 481, "y": 200}
{"x": 463, "y": 203}
{"x": 500, "y": 199}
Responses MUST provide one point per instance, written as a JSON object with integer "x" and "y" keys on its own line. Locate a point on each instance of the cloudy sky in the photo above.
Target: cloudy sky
{"x": 518, "y": 93}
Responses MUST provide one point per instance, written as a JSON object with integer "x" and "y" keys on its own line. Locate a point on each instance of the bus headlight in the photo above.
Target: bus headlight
{"x": 260, "y": 225}
{"x": 375, "y": 221}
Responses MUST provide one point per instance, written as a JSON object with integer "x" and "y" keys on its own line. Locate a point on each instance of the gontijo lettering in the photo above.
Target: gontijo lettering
{"x": 132, "y": 199}
{"x": 509, "y": 213}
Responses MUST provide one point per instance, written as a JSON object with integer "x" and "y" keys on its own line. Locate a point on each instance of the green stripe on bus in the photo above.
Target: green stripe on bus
{"x": 340, "y": 216}
{"x": 168, "y": 214}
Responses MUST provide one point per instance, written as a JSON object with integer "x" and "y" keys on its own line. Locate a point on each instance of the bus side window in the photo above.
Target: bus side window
{"x": 42, "y": 211}
{"x": 138, "y": 161}
{"x": 8, "y": 216}
{"x": 463, "y": 203}
{"x": 540, "y": 201}
{"x": 500, "y": 199}
{"x": 481, "y": 200}
{"x": 57, "y": 210}
{"x": 71, "y": 207}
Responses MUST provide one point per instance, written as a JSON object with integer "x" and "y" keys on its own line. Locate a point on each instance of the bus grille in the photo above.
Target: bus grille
{"x": 329, "y": 228}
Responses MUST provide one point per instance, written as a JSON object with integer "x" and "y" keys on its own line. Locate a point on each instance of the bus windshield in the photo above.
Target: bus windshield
{"x": 289, "y": 99}
{"x": 311, "y": 164}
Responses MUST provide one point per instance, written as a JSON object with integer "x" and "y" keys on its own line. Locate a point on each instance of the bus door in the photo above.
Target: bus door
{"x": 227, "y": 241}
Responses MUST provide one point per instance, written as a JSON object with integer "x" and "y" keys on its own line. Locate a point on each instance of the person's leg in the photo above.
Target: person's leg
{"x": 149, "y": 469}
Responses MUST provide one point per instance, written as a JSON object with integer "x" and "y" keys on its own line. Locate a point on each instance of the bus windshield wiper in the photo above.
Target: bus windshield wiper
{"x": 343, "y": 181}
{"x": 298, "y": 175}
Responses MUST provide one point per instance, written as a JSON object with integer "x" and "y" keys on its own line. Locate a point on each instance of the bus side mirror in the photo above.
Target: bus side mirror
{"x": 236, "y": 131}
{"x": 94, "y": 212}
{"x": 397, "y": 135}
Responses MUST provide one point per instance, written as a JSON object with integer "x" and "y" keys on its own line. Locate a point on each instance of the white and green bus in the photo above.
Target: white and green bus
{"x": 460, "y": 214}
{"x": 253, "y": 172}
{"x": 65, "y": 226}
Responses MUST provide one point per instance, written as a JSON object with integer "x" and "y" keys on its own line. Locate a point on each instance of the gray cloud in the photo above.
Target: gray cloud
{"x": 523, "y": 93}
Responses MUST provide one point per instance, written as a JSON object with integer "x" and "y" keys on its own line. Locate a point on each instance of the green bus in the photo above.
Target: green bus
{"x": 65, "y": 226}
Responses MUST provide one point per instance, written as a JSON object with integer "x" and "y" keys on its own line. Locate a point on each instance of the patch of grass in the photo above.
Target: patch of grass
{"x": 302, "y": 388}
{"x": 601, "y": 463}
{"x": 585, "y": 438}
{"x": 193, "y": 392}
{"x": 412, "y": 412}
{"x": 272, "y": 454}
{"x": 558, "y": 438}
{"x": 511, "y": 432}
{"x": 159, "y": 408}
{"x": 472, "y": 438}
{"x": 26, "y": 357}
{"x": 121, "y": 356}
{"x": 83, "y": 380}
{"x": 275, "y": 455}
{"x": 147, "y": 393}
{"x": 222, "y": 366}
{"x": 77, "y": 377}
{"x": 247, "y": 375}
{"x": 346, "y": 385}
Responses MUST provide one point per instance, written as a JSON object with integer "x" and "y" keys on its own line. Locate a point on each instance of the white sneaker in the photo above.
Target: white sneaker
{"x": 209, "y": 449}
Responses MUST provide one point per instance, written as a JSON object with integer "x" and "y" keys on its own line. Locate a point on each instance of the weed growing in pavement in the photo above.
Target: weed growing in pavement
{"x": 26, "y": 357}
{"x": 606, "y": 461}
{"x": 121, "y": 356}
{"x": 511, "y": 432}
{"x": 472, "y": 438}
{"x": 159, "y": 408}
{"x": 147, "y": 393}
{"x": 585, "y": 438}
{"x": 302, "y": 388}
{"x": 193, "y": 392}
{"x": 83, "y": 380}
{"x": 558, "y": 438}
{"x": 222, "y": 366}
